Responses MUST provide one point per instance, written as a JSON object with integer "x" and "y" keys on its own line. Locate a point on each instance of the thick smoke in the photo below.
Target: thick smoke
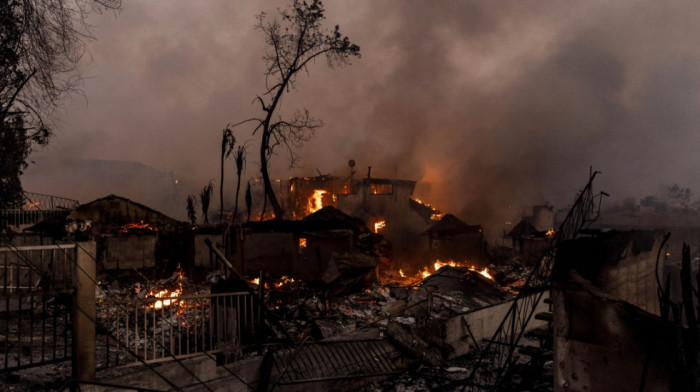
{"x": 487, "y": 104}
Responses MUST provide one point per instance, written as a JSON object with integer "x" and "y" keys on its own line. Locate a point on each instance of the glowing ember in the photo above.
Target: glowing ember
{"x": 550, "y": 232}
{"x": 484, "y": 272}
{"x": 437, "y": 264}
{"x": 165, "y": 294}
{"x": 255, "y": 281}
{"x": 436, "y": 215}
{"x": 316, "y": 201}
{"x": 283, "y": 281}
{"x": 302, "y": 242}
{"x": 136, "y": 226}
{"x": 379, "y": 225}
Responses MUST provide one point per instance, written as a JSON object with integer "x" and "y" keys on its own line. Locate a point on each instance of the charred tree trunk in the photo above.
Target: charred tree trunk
{"x": 269, "y": 192}
{"x": 248, "y": 200}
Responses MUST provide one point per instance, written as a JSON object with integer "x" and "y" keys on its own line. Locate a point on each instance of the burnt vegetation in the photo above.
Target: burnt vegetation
{"x": 295, "y": 39}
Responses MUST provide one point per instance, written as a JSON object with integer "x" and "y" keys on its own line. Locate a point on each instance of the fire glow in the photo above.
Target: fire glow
{"x": 437, "y": 264}
{"x": 283, "y": 280}
{"x": 436, "y": 215}
{"x": 167, "y": 295}
{"x": 379, "y": 225}
{"x": 316, "y": 201}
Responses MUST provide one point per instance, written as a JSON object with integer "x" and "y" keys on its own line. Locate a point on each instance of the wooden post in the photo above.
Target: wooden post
{"x": 240, "y": 249}
{"x": 261, "y": 300}
{"x": 84, "y": 312}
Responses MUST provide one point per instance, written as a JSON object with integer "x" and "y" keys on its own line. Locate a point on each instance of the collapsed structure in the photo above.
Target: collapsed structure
{"x": 326, "y": 301}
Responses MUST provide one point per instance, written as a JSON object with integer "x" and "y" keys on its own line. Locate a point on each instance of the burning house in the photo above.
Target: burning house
{"x": 386, "y": 206}
{"x": 451, "y": 239}
{"x": 319, "y": 247}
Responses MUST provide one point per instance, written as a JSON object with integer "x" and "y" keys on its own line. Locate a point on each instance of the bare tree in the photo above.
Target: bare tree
{"x": 295, "y": 39}
{"x": 205, "y": 198}
{"x": 227, "y": 143}
{"x": 41, "y": 43}
{"x": 191, "y": 213}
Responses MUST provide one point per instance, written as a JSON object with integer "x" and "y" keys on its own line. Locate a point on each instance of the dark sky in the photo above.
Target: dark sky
{"x": 485, "y": 103}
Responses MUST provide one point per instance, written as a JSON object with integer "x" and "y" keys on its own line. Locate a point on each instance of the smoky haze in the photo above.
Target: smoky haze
{"x": 486, "y": 104}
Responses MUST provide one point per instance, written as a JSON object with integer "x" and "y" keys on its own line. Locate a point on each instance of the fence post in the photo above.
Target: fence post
{"x": 84, "y": 312}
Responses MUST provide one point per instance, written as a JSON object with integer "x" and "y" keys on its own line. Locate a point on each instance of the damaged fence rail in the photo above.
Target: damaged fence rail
{"x": 182, "y": 326}
{"x": 497, "y": 356}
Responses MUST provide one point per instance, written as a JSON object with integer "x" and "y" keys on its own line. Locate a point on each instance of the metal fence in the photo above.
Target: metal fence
{"x": 35, "y": 305}
{"x": 21, "y": 217}
{"x": 35, "y": 208}
{"x": 498, "y": 355}
{"x": 158, "y": 329}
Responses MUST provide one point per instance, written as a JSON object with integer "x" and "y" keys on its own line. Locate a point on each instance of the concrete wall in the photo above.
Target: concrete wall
{"x": 274, "y": 252}
{"x": 129, "y": 251}
{"x": 633, "y": 279}
{"x": 604, "y": 344}
{"x": 607, "y": 335}
{"x": 202, "y": 256}
{"x": 217, "y": 378}
{"x": 483, "y": 324}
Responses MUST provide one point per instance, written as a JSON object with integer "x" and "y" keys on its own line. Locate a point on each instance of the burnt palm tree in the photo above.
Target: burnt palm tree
{"x": 204, "y": 198}
{"x": 191, "y": 213}
{"x": 227, "y": 143}
{"x": 239, "y": 157}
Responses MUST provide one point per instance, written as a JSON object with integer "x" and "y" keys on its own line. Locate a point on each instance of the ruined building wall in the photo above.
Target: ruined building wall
{"x": 607, "y": 336}
{"x": 483, "y": 323}
{"x": 128, "y": 251}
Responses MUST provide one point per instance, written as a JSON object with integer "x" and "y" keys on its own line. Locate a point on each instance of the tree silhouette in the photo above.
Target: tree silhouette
{"x": 295, "y": 39}
{"x": 248, "y": 200}
{"x": 41, "y": 43}
{"x": 239, "y": 158}
{"x": 227, "y": 143}
{"x": 191, "y": 213}
{"x": 205, "y": 198}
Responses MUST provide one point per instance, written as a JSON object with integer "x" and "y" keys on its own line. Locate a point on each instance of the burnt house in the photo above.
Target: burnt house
{"x": 127, "y": 233}
{"x": 304, "y": 249}
{"x": 528, "y": 242}
{"x": 451, "y": 239}
{"x": 386, "y": 206}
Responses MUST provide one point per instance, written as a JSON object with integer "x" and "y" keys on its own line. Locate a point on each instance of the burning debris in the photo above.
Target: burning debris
{"x": 331, "y": 281}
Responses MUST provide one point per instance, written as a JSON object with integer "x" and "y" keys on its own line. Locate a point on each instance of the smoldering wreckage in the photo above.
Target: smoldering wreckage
{"x": 364, "y": 287}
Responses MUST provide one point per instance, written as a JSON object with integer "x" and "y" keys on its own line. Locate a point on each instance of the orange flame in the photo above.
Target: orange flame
{"x": 316, "y": 201}
{"x": 436, "y": 215}
{"x": 379, "y": 225}
{"x": 428, "y": 270}
{"x": 165, "y": 294}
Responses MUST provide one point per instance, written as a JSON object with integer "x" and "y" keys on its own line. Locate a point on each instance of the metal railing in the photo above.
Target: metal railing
{"x": 35, "y": 208}
{"x": 496, "y": 359}
{"x": 48, "y": 202}
{"x": 35, "y": 305}
{"x": 158, "y": 329}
